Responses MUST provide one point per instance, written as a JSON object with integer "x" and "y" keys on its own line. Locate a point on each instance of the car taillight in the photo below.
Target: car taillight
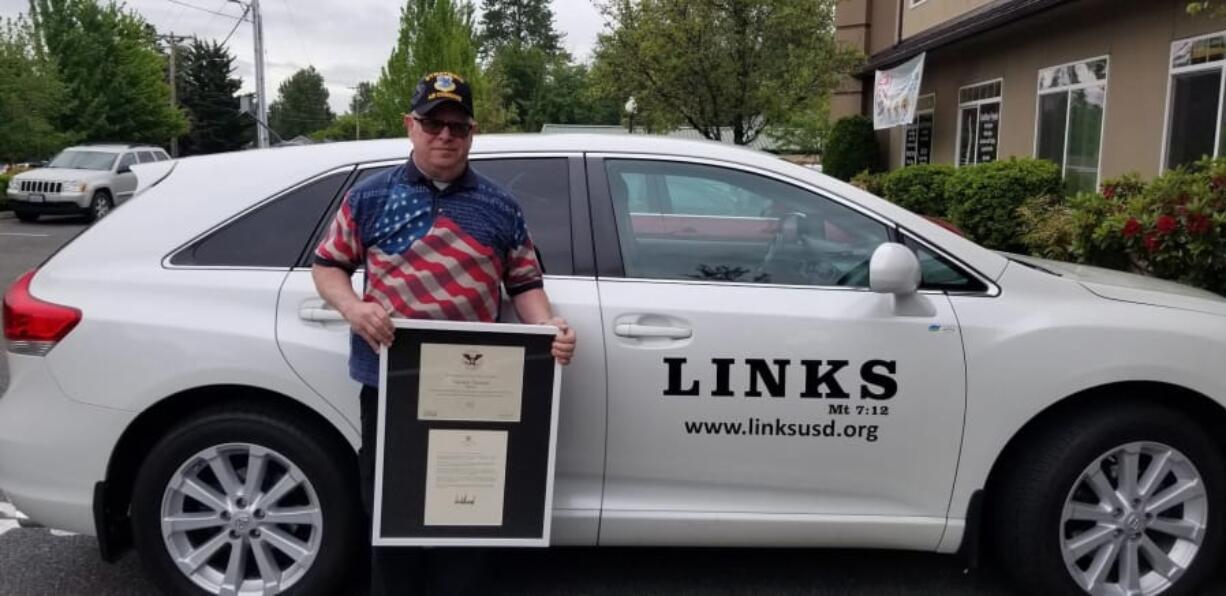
{"x": 33, "y": 326}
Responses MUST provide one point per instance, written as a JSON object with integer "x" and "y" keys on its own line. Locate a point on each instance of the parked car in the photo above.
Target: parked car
{"x": 767, "y": 357}
{"x": 89, "y": 180}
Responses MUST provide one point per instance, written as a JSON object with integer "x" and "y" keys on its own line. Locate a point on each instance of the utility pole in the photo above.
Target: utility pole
{"x": 261, "y": 102}
{"x": 261, "y": 108}
{"x": 174, "y": 40}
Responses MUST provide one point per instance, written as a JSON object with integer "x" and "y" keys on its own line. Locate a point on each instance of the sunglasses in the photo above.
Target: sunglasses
{"x": 433, "y": 127}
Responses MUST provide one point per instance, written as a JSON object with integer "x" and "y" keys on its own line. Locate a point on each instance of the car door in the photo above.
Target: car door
{"x": 759, "y": 393}
{"x": 551, "y": 191}
{"x": 124, "y": 183}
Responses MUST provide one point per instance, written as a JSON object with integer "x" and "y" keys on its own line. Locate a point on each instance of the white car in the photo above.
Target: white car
{"x": 767, "y": 357}
{"x": 89, "y": 180}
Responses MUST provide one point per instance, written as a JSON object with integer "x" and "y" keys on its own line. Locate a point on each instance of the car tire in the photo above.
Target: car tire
{"x": 1055, "y": 534}
{"x": 99, "y": 206}
{"x": 305, "y": 539}
{"x": 27, "y": 217}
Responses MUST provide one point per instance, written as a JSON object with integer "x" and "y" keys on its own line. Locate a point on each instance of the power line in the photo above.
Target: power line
{"x": 246, "y": 9}
{"x": 201, "y": 8}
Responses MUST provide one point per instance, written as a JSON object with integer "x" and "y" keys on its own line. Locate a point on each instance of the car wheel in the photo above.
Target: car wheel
{"x": 246, "y": 502}
{"x": 1123, "y": 501}
{"x": 100, "y": 206}
{"x": 27, "y": 217}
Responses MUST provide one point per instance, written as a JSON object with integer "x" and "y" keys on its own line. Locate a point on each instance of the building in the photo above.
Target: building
{"x": 1101, "y": 87}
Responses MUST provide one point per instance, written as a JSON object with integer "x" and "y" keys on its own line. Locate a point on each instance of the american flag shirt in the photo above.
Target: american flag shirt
{"x": 430, "y": 253}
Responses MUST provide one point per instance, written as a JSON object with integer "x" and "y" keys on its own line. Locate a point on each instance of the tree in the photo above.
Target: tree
{"x": 209, "y": 94}
{"x": 527, "y": 23}
{"x": 570, "y": 98}
{"x": 741, "y": 64}
{"x": 115, "y": 82}
{"x": 344, "y": 128}
{"x": 435, "y": 35}
{"x": 363, "y": 98}
{"x": 301, "y": 107}
{"x": 1212, "y": 8}
{"x": 31, "y": 97}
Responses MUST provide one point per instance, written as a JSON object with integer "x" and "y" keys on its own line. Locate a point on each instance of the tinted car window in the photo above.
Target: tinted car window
{"x": 939, "y": 274}
{"x": 272, "y": 235}
{"x": 146, "y": 156}
{"x": 732, "y": 226}
{"x": 128, "y": 160}
{"x": 542, "y": 188}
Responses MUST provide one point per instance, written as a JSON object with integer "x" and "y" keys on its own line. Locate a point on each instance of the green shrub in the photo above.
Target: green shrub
{"x": 1173, "y": 228}
{"x": 920, "y": 188}
{"x": 870, "y": 182}
{"x": 851, "y": 148}
{"x": 4, "y": 186}
{"x": 984, "y": 199}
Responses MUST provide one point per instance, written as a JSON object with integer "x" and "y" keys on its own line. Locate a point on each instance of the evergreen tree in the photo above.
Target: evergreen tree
{"x": 524, "y": 22}
{"x": 209, "y": 94}
{"x": 301, "y": 107}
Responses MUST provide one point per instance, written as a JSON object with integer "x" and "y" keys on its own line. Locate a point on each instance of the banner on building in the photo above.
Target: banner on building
{"x": 895, "y": 93}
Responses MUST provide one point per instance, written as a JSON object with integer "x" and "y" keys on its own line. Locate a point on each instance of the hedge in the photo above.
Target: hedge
{"x": 1173, "y": 227}
{"x": 851, "y": 148}
{"x": 919, "y": 188}
{"x": 984, "y": 199}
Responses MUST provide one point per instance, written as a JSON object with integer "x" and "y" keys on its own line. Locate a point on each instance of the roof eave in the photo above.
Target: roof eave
{"x": 986, "y": 18}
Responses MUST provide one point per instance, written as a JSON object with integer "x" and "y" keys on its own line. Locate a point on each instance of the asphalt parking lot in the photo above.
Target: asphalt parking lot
{"x": 39, "y": 561}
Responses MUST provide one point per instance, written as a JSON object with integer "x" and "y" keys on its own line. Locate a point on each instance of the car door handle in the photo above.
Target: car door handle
{"x": 641, "y": 331}
{"x": 319, "y": 314}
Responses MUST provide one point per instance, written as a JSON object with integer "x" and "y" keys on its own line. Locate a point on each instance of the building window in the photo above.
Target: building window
{"x": 978, "y": 122}
{"x": 917, "y": 147}
{"x": 1195, "y": 119}
{"x": 1072, "y": 99}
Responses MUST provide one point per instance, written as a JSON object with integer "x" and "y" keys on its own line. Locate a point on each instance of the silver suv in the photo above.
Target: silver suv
{"x": 88, "y": 180}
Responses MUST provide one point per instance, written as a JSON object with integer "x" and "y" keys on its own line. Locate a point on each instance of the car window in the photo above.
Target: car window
{"x": 732, "y": 226}
{"x": 272, "y": 235}
{"x": 128, "y": 160}
{"x": 83, "y": 160}
{"x": 161, "y": 156}
{"x": 146, "y": 156}
{"x": 940, "y": 274}
{"x": 690, "y": 195}
{"x": 542, "y": 188}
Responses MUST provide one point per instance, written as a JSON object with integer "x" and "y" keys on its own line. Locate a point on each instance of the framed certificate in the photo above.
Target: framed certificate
{"x": 467, "y": 435}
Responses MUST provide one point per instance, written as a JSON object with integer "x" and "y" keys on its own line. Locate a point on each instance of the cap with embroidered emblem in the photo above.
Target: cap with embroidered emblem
{"x": 438, "y": 88}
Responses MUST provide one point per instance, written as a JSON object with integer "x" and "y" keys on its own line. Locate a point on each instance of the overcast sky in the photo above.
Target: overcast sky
{"x": 348, "y": 41}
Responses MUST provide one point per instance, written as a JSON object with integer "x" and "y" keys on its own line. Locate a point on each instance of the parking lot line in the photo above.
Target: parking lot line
{"x": 26, "y": 235}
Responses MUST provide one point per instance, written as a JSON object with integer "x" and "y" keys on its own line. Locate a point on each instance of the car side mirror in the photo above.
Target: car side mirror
{"x": 894, "y": 269}
{"x": 124, "y": 170}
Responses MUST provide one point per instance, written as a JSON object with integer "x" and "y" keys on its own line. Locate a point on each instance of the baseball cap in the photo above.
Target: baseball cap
{"x": 438, "y": 88}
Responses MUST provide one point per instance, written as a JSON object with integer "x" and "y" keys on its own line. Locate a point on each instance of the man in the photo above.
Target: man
{"x": 437, "y": 240}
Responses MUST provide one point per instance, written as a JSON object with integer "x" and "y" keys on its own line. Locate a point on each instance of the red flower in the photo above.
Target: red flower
{"x": 1166, "y": 224}
{"x": 1199, "y": 223}
{"x": 1109, "y": 191}
{"x": 1152, "y": 242}
{"x": 1132, "y": 227}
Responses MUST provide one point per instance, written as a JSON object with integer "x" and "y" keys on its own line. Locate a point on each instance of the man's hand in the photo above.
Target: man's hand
{"x": 564, "y": 341}
{"x": 371, "y": 322}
